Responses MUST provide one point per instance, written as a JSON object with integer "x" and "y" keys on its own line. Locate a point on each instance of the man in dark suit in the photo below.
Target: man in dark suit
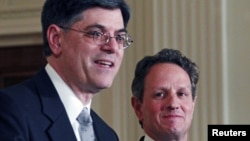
{"x": 164, "y": 95}
{"x": 84, "y": 42}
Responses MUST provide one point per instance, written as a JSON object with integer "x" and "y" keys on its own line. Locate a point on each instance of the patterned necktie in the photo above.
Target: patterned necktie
{"x": 86, "y": 130}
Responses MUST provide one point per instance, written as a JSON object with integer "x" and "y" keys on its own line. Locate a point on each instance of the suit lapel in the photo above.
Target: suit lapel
{"x": 60, "y": 128}
{"x": 142, "y": 138}
{"x": 102, "y": 131}
{"x": 100, "y": 134}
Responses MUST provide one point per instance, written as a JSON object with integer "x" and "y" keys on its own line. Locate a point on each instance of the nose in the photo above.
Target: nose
{"x": 108, "y": 38}
{"x": 172, "y": 102}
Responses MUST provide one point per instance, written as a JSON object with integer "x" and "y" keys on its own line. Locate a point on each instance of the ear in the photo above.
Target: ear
{"x": 54, "y": 35}
{"x": 136, "y": 103}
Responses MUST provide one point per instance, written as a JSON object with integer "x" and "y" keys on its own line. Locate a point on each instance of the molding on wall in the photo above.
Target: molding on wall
{"x": 20, "y": 22}
{"x": 20, "y": 39}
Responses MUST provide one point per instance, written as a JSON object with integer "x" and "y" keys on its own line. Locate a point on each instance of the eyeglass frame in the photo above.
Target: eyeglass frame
{"x": 126, "y": 42}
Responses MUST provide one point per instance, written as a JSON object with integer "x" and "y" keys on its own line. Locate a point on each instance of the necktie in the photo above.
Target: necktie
{"x": 86, "y": 130}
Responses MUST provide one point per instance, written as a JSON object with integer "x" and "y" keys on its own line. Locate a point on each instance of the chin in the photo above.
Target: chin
{"x": 105, "y": 86}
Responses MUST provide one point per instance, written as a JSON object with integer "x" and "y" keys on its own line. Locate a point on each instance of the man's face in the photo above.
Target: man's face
{"x": 87, "y": 66}
{"x": 167, "y": 107}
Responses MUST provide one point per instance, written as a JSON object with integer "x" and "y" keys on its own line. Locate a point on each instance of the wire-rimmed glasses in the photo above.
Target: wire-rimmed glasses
{"x": 124, "y": 39}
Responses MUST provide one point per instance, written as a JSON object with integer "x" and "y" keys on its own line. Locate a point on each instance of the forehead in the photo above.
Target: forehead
{"x": 167, "y": 71}
{"x": 108, "y": 18}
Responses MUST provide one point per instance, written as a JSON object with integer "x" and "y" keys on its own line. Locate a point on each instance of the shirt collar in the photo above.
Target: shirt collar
{"x": 147, "y": 138}
{"x": 72, "y": 104}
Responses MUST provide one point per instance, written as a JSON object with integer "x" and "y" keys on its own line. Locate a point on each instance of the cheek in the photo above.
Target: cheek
{"x": 150, "y": 109}
{"x": 120, "y": 55}
{"x": 119, "y": 58}
{"x": 188, "y": 108}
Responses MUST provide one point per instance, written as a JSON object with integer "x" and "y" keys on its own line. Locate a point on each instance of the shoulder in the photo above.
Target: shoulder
{"x": 25, "y": 95}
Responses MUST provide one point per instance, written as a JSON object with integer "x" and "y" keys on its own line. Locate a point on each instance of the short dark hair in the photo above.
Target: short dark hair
{"x": 67, "y": 12}
{"x": 164, "y": 56}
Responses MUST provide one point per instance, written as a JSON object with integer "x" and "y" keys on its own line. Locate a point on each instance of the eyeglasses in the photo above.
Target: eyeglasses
{"x": 124, "y": 40}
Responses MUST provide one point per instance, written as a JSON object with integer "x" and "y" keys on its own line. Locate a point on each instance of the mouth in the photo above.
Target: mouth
{"x": 105, "y": 63}
{"x": 172, "y": 116}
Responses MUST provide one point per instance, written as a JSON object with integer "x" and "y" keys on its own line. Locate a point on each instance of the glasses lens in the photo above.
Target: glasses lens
{"x": 99, "y": 38}
{"x": 127, "y": 42}
{"x": 124, "y": 40}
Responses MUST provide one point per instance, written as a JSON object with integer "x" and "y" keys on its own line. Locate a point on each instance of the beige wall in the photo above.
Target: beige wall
{"x": 238, "y": 60}
{"x": 214, "y": 33}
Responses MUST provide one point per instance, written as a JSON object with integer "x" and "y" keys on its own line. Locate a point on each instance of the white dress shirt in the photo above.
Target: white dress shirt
{"x": 72, "y": 104}
{"x": 147, "y": 138}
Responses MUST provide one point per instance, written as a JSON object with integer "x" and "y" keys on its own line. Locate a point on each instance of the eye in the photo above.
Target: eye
{"x": 120, "y": 38}
{"x": 159, "y": 95}
{"x": 181, "y": 94}
{"x": 96, "y": 34}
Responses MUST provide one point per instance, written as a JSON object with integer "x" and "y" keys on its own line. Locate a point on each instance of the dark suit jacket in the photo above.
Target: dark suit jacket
{"x": 33, "y": 111}
{"x": 142, "y": 138}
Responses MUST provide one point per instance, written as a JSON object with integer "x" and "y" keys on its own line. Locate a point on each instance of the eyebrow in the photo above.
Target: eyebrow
{"x": 185, "y": 88}
{"x": 103, "y": 27}
{"x": 179, "y": 88}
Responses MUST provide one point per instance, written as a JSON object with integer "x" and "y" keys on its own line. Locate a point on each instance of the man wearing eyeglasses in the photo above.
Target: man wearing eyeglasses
{"x": 84, "y": 42}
